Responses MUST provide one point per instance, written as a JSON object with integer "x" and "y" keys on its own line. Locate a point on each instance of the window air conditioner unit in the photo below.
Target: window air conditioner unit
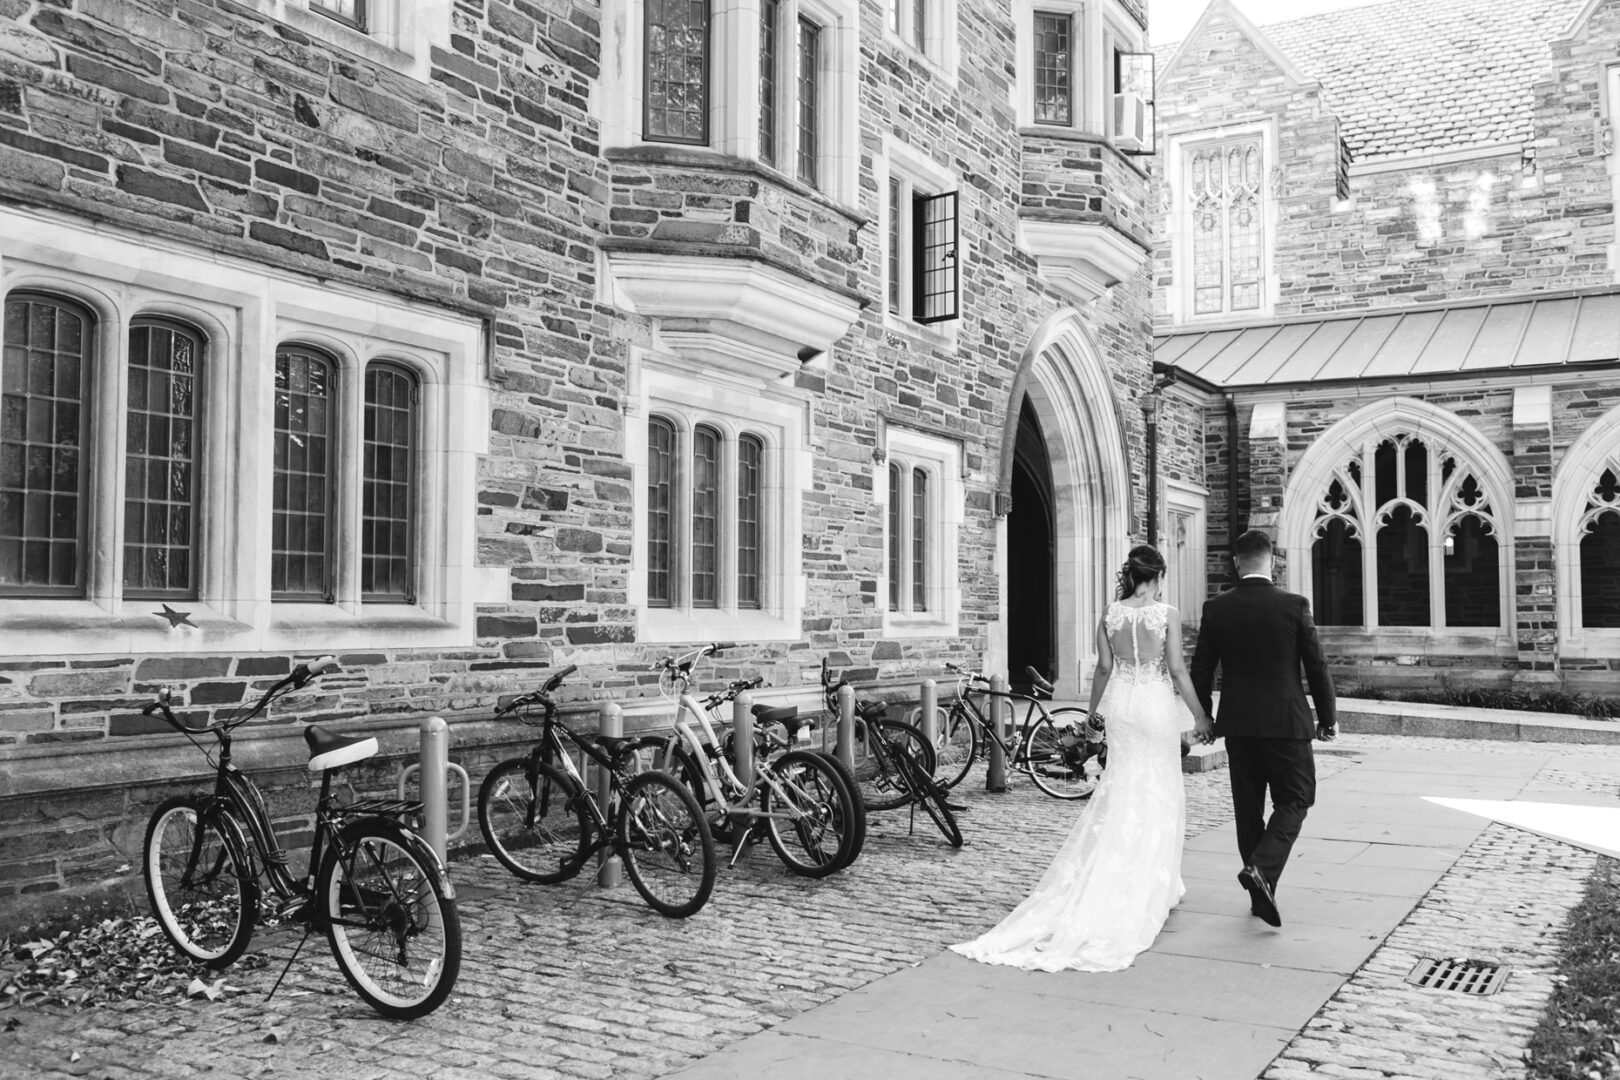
{"x": 1131, "y": 123}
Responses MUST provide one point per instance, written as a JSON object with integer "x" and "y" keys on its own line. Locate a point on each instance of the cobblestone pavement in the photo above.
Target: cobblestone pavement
{"x": 576, "y": 981}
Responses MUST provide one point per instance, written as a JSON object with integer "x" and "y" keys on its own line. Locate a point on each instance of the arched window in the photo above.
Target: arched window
{"x": 1405, "y": 535}
{"x": 660, "y": 510}
{"x": 161, "y": 455}
{"x": 750, "y": 457}
{"x": 301, "y": 538}
{"x": 388, "y": 482}
{"x": 1600, "y": 552}
{"x": 44, "y": 471}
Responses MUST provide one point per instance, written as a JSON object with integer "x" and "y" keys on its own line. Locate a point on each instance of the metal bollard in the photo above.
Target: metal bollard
{"x": 929, "y": 704}
{"x": 995, "y": 778}
{"x": 435, "y": 761}
{"x": 607, "y": 864}
{"x": 742, "y": 737}
{"x": 846, "y": 726}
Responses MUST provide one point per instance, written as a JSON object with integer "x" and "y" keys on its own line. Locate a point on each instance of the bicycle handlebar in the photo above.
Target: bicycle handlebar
{"x": 300, "y": 676}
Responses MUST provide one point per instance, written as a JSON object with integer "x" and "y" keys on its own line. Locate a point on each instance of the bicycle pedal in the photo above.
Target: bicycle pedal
{"x": 956, "y": 808}
{"x": 296, "y": 908}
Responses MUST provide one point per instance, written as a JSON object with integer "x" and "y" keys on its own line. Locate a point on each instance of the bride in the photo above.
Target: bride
{"x": 1106, "y": 895}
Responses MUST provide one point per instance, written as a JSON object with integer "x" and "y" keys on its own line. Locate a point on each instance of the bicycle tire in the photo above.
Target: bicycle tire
{"x": 857, "y": 824}
{"x": 209, "y": 918}
{"x": 551, "y": 848}
{"x": 1050, "y": 759}
{"x": 957, "y": 745}
{"x": 663, "y": 836}
{"x": 394, "y": 931}
{"x": 824, "y": 806}
{"x": 881, "y": 785}
{"x": 931, "y": 797}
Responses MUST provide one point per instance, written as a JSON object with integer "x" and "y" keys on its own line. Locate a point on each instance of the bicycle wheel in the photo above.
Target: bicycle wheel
{"x": 815, "y": 839}
{"x": 1055, "y": 754}
{"x": 394, "y": 933}
{"x": 957, "y": 744}
{"x": 540, "y": 830}
{"x": 199, "y": 879}
{"x": 931, "y": 797}
{"x": 666, "y": 845}
{"x": 856, "y": 826}
{"x": 881, "y": 785}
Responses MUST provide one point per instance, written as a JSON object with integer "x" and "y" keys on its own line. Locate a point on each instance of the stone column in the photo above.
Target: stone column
{"x": 1268, "y": 475}
{"x": 1534, "y": 580}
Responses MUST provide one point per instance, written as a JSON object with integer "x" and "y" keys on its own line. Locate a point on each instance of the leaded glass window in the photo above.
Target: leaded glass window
{"x": 768, "y": 10}
{"x": 935, "y": 237}
{"x": 705, "y": 517}
{"x": 919, "y": 540}
{"x": 1405, "y": 535}
{"x": 896, "y": 223}
{"x": 660, "y": 511}
{"x": 809, "y": 103}
{"x": 750, "y": 454}
{"x": 160, "y": 461}
{"x": 895, "y": 517}
{"x": 919, "y": 24}
{"x": 676, "y": 85}
{"x": 1054, "y": 89}
{"x": 301, "y": 528}
{"x": 1599, "y": 530}
{"x": 1225, "y": 183}
{"x": 388, "y": 479}
{"x": 352, "y": 12}
{"x": 43, "y": 473}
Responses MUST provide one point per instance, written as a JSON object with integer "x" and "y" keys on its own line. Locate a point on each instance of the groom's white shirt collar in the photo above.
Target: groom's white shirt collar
{"x": 1266, "y": 577}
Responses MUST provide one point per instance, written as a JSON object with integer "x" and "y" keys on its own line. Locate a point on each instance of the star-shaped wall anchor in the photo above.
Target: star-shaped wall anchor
{"x": 176, "y": 618}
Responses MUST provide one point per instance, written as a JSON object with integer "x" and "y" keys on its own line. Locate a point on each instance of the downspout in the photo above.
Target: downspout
{"x": 1150, "y": 420}
{"x": 1231, "y": 481}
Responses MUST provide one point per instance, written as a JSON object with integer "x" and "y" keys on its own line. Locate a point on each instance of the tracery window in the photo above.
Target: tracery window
{"x": 1405, "y": 535}
{"x": 160, "y": 460}
{"x": 1225, "y": 183}
{"x": 1599, "y": 531}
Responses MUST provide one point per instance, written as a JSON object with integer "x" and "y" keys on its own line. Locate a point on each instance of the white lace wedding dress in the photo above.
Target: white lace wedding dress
{"x": 1113, "y": 883}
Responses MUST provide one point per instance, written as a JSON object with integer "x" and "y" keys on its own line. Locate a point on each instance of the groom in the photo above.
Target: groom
{"x": 1261, "y": 637}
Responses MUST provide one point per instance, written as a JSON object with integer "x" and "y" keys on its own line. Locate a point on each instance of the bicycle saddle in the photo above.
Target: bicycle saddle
{"x": 329, "y": 750}
{"x": 622, "y": 746}
{"x": 786, "y": 715}
{"x": 1039, "y": 681}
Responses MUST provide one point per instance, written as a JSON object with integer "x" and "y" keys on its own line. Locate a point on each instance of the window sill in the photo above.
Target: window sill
{"x": 923, "y": 332}
{"x": 932, "y": 625}
{"x": 669, "y": 625}
{"x": 1594, "y": 644}
{"x": 684, "y": 156}
{"x": 1065, "y": 133}
{"x": 1410, "y": 644}
{"x": 329, "y": 31}
{"x": 910, "y": 50}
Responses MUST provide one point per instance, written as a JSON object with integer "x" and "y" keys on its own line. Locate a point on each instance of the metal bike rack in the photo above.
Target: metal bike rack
{"x": 608, "y": 865}
{"x": 995, "y": 779}
{"x": 742, "y": 737}
{"x": 928, "y": 704}
{"x": 846, "y": 726}
{"x": 434, "y": 766}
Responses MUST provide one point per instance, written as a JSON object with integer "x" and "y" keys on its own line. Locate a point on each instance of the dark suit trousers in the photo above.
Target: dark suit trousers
{"x": 1287, "y": 768}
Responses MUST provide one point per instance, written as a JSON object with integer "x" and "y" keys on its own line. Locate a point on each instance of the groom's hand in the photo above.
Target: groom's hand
{"x": 1204, "y": 730}
{"x": 1327, "y": 732}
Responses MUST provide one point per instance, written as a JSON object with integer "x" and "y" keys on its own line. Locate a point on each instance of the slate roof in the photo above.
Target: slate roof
{"x": 1415, "y": 76}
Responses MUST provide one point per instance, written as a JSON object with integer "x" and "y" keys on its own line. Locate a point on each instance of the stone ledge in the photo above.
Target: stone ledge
{"x": 1458, "y": 722}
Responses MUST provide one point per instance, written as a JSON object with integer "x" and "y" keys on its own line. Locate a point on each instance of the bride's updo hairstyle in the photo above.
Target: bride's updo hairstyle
{"x": 1144, "y": 564}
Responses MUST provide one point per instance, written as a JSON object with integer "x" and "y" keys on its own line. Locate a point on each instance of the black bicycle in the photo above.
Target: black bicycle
{"x": 377, "y": 889}
{"x": 894, "y": 763}
{"x": 543, "y": 823}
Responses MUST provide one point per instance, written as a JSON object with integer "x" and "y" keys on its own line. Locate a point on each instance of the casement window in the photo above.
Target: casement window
{"x": 1054, "y": 68}
{"x": 923, "y": 283}
{"x": 398, "y": 34}
{"x": 720, "y": 475}
{"x": 298, "y": 485}
{"x": 1405, "y": 535}
{"x": 676, "y": 76}
{"x": 920, "y": 492}
{"x": 700, "y": 477}
{"x": 927, "y": 27}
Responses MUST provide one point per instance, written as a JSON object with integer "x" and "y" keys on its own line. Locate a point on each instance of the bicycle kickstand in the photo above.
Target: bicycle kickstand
{"x": 296, "y": 950}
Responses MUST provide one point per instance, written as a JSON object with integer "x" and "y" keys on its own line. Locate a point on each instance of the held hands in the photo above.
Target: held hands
{"x": 1327, "y": 732}
{"x": 1204, "y": 729}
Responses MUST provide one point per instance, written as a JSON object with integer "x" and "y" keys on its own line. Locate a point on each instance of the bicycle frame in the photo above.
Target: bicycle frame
{"x": 1012, "y": 746}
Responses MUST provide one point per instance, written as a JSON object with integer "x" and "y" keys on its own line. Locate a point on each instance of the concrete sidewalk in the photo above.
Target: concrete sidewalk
{"x": 1219, "y": 995}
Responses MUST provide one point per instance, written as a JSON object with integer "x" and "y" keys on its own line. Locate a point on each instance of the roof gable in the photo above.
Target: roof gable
{"x": 1228, "y": 11}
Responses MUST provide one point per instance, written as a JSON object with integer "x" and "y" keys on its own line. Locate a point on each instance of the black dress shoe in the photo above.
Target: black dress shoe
{"x": 1260, "y": 899}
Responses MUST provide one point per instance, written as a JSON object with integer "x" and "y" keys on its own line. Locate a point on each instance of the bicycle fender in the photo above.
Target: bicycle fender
{"x": 216, "y": 812}
{"x": 413, "y": 843}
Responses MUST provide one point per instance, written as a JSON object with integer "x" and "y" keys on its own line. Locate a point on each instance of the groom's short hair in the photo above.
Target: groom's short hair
{"x": 1252, "y": 547}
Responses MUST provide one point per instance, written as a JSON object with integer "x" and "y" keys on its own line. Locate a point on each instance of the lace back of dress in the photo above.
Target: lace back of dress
{"x": 1137, "y": 634}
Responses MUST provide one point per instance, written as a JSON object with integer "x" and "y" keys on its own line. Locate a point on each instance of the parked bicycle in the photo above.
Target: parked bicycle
{"x": 797, "y": 800}
{"x": 376, "y": 889}
{"x": 543, "y": 823}
{"x": 1053, "y": 746}
{"x": 894, "y": 762}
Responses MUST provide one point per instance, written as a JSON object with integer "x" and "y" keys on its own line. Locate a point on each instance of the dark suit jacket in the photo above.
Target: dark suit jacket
{"x": 1260, "y": 637}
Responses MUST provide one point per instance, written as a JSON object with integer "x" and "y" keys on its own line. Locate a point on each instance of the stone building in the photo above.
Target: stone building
{"x": 466, "y": 340}
{"x": 1385, "y": 292}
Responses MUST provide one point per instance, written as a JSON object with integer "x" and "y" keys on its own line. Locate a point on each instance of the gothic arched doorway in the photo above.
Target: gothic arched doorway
{"x": 1031, "y": 577}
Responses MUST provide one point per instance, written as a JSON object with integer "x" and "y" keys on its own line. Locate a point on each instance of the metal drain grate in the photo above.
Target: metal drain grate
{"x": 1465, "y": 976}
